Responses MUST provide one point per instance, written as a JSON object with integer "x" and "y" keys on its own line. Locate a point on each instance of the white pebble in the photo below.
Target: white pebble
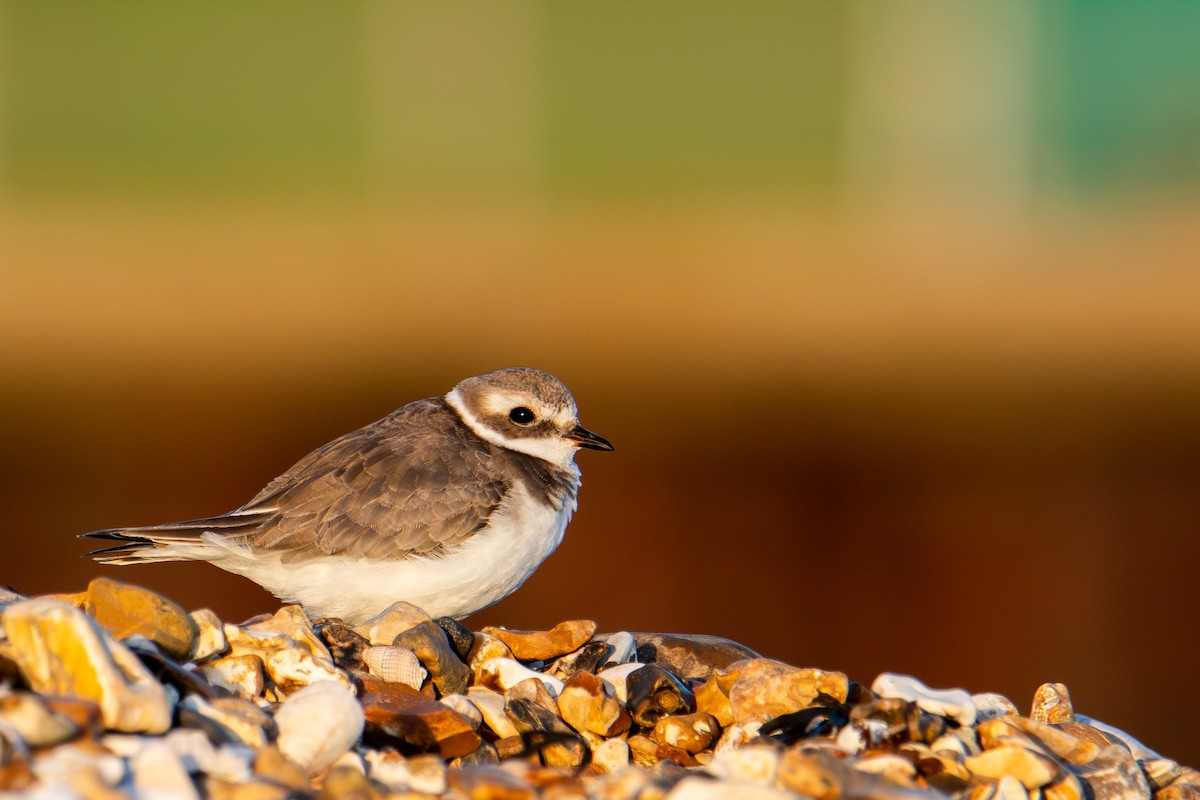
{"x": 954, "y": 703}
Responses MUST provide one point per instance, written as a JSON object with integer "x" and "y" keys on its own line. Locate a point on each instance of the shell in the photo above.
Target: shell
{"x": 318, "y": 725}
{"x": 394, "y": 665}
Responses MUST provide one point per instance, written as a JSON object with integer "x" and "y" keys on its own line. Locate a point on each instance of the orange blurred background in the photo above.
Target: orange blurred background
{"x": 890, "y": 310}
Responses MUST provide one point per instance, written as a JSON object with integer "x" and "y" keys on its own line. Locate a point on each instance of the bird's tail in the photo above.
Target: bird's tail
{"x": 190, "y": 540}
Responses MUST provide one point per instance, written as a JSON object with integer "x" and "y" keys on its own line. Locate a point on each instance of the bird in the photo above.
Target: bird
{"x": 449, "y": 503}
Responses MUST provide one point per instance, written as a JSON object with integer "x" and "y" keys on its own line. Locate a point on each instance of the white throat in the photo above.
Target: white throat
{"x": 556, "y": 450}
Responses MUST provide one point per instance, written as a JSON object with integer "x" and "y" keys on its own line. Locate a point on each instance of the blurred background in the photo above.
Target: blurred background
{"x": 891, "y": 309}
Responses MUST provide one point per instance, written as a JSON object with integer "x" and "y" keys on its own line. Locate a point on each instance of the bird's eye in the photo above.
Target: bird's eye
{"x": 521, "y": 415}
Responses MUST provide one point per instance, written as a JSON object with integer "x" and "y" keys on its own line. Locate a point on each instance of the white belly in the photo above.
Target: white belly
{"x": 479, "y": 572}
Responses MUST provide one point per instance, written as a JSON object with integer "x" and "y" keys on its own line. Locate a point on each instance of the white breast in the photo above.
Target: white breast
{"x": 480, "y": 571}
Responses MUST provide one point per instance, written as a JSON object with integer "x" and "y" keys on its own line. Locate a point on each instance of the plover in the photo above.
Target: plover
{"x": 450, "y": 503}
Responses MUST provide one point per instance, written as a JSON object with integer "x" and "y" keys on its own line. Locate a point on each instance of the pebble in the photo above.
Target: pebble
{"x": 268, "y": 709}
{"x": 210, "y": 635}
{"x": 763, "y": 687}
{"x": 956, "y": 704}
{"x": 126, "y": 610}
{"x": 430, "y": 644}
{"x": 394, "y": 620}
{"x": 563, "y": 638}
{"x": 61, "y": 651}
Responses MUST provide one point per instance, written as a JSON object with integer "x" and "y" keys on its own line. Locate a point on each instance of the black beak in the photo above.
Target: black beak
{"x": 585, "y": 438}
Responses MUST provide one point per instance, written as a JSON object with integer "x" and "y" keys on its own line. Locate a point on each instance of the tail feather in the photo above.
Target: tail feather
{"x": 172, "y": 541}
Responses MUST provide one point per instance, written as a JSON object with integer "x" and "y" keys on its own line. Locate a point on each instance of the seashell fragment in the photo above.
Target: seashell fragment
{"x": 395, "y": 665}
{"x": 318, "y": 724}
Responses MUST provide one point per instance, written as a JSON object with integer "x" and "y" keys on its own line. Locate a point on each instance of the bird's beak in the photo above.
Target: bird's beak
{"x": 585, "y": 438}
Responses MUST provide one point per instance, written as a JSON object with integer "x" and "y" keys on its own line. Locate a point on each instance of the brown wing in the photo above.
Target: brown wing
{"x": 413, "y": 483}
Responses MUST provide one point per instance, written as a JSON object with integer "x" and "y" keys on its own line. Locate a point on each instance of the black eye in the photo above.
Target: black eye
{"x": 521, "y": 415}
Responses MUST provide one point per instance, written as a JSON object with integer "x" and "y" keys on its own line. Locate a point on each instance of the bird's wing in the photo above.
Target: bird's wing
{"x": 413, "y": 483}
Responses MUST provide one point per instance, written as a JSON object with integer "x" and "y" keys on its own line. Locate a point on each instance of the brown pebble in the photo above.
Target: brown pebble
{"x": 587, "y": 705}
{"x": 654, "y": 693}
{"x": 404, "y": 714}
{"x": 126, "y": 610}
{"x": 448, "y": 673}
{"x": 563, "y": 638}
{"x": 558, "y": 745}
{"x": 690, "y": 732}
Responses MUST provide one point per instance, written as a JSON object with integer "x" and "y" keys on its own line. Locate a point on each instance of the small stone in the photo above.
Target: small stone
{"x": 159, "y": 772}
{"x": 535, "y": 691}
{"x": 989, "y": 705}
{"x": 1160, "y": 772}
{"x": 394, "y": 665}
{"x": 643, "y": 750}
{"x": 654, "y": 693}
{"x": 431, "y": 646}
{"x": 240, "y": 675}
{"x": 403, "y": 713}
{"x": 586, "y": 704}
{"x": 623, "y": 647}
{"x": 1052, "y": 704}
{"x": 210, "y": 635}
{"x": 586, "y": 659}
{"x": 485, "y": 647}
{"x": 1032, "y": 769}
{"x": 62, "y": 651}
{"x": 617, "y": 679}
{"x": 344, "y": 645}
{"x": 711, "y": 698}
{"x": 564, "y": 637}
{"x": 296, "y": 667}
{"x": 696, "y": 788}
{"x": 1064, "y": 745}
{"x": 491, "y": 706}
{"x": 295, "y": 624}
{"x": 897, "y": 769}
{"x": 425, "y": 774}
{"x": 766, "y": 687}
{"x": 126, "y": 610}
{"x": 463, "y": 706}
{"x": 756, "y": 765}
{"x": 1178, "y": 791}
{"x": 318, "y": 724}
{"x": 1114, "y": 774}
{"x": 956, "y": 704}
{"x": 504, "y": 673}
{"x": 812, "y": 773}
{"x": 460, "y": 636}
{"x": 1067, "y": 787}
{"x": 489, "y": 783}
{"x": 34, "y": 720}
{"x": 394, "y": 620}
{"x": 261, "y": 643}
{"x": 559, "y": 746}
{"x": 689, "y": 732}
{"x": 238, "y": 719}
{"x": 272, "y": 764}
{"x": 612, "y": 755}
{"x": 690, "y": 656}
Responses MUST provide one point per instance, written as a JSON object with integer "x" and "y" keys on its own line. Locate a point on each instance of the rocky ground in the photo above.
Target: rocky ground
{"x": 119, "y": 692}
